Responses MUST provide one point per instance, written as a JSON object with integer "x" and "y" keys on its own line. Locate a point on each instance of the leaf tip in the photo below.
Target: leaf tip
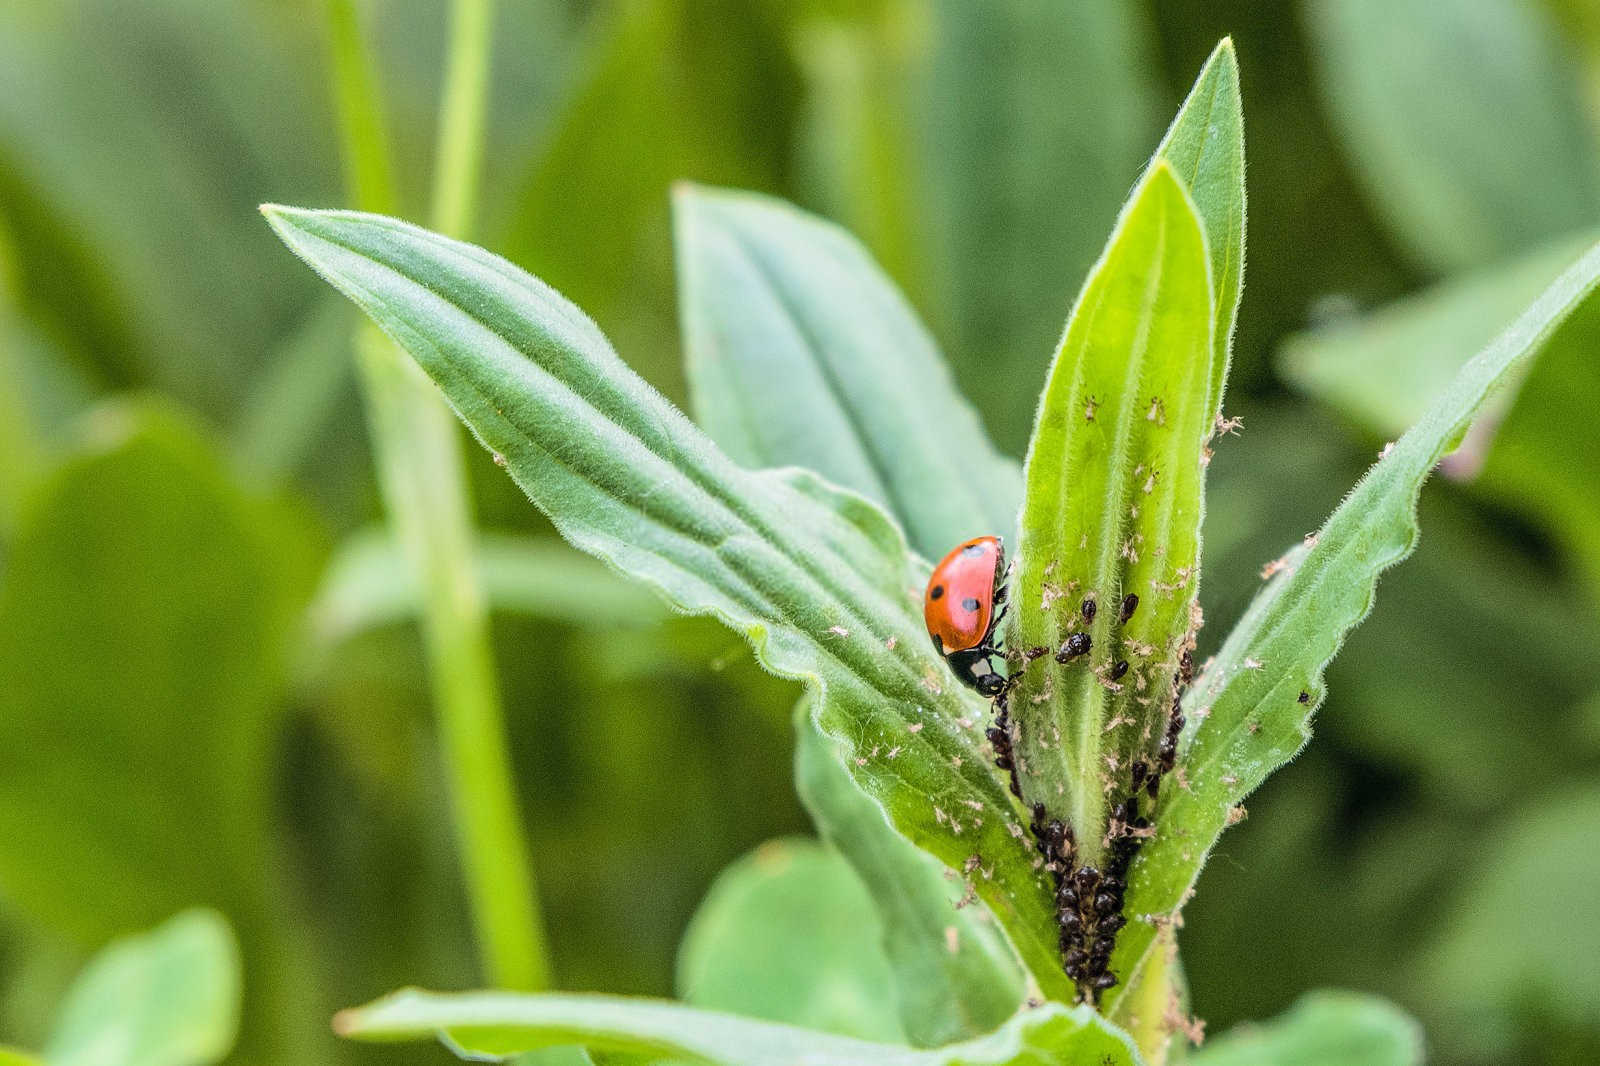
{"x": 347, "y": 1022}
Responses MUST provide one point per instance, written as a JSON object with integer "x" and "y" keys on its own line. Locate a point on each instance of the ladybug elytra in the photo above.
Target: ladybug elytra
{"x": 962, "y": 608}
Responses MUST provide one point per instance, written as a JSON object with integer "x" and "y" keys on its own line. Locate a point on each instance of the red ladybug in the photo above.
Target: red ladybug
{"x": 962, "y": 607}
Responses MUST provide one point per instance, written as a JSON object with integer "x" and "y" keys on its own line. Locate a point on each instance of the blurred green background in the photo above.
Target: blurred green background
{"x": 211, "y": 692}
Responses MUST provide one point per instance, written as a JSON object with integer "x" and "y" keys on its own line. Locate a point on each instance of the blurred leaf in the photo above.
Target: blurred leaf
{"x": 1113, "y": 508}
{"x": 187, "y": 112}
{"x": 943, "y": 995}
{"x": 1250, "y": 711}
{"x": 294, "y": 396}
{"x": 1323, "y": 1029}
{"x": 489, "y": 1023}
{"x": 169, "y": 997}
{"x": 1525, "y": 933}
{"x": 1031, "y": 120}
{"x": 368, "y": 584}
{"x": 13, "y": 1057}
{"x": 788, "y": 934}
{"x": 143, "y": 616}
{"x": 1443, "y": 107}
{"x": 1383, "y": 370}
{"x": 817, "y": 578}
{"x": 800, "y": 352}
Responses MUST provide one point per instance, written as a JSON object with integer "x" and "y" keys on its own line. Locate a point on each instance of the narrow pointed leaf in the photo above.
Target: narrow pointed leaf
{"x": 954, "y": 975}
{"x": 1113, "y": 508}
{"x": 498, "y": 1024}
{"x": 1250, "y": 712}
{"x": 801, "y": 353}
{"x": 817, "y": 578}
{"x": 1205, "y": 148}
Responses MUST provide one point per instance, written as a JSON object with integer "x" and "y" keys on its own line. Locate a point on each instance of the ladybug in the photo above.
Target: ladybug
{"x": 962, "y": 608}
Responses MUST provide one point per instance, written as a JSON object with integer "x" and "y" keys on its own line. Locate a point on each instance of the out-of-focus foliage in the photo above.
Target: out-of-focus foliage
{"x": 980, "y": 150}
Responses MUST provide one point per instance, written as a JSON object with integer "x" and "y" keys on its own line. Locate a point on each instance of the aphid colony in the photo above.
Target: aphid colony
{"x": 963, "y": 606}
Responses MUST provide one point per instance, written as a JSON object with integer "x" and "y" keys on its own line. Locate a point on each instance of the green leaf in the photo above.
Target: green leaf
{"x": 1322, "y": 1029}
{"x": 1442, "y": 107}
{"x": 1113, "y": 508}
{"x": 1205, "y": 147}
{"x": 954, "y": 976}
{"x": 817, "y": 578}
{"x": 169, "y": 997}
{"x": 800, "y": 352}
{"x": 1250, "y": 711}
{"x": 489, "y": 1023}
{"x": 788, "y": 934}
{"x": 144, "y": 616}
{"x": 15, "y": 1057}
{"x": 368, "y": 584}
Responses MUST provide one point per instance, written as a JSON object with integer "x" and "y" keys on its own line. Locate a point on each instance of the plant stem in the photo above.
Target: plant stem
{"x": 420, "y": 473}
{"x": 461, "y": 117}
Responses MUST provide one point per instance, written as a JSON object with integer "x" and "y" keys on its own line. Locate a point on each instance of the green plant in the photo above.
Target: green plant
{"x": 821, "y": 572}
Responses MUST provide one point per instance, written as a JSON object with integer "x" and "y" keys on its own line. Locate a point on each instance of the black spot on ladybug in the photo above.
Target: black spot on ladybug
{"x": 936, "y": 593}
{"x": 1305, "y": 697}
{"x": 969, "y": 604}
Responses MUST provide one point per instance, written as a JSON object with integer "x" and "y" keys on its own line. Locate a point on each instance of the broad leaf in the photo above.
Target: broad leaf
{"x": 1113, "y": 509}
{"x": 816, "y": 577}
{"x": 800, "y": 352}
{"x": 169, "y": 997}
{"x": 954, "y": 975}
{"x": 488, "y": 1023}
{"x": 1250, "y": 711}
{"x": 1410, "y": 86}
{"x": 1323, "y": 1029}
{"x": 788, "y": 934}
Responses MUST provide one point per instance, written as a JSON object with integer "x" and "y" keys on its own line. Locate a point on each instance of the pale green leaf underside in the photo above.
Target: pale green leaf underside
{"x": 1322, "y": 1029}
{"x": 800, "y": 352}
{"x": 491, "y": 1023}
{"x": 816, "y": 577}
{"x": 1113, "y": 506}
{"x": 169, "y": 997}
{"x": 1246, "y": 717}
